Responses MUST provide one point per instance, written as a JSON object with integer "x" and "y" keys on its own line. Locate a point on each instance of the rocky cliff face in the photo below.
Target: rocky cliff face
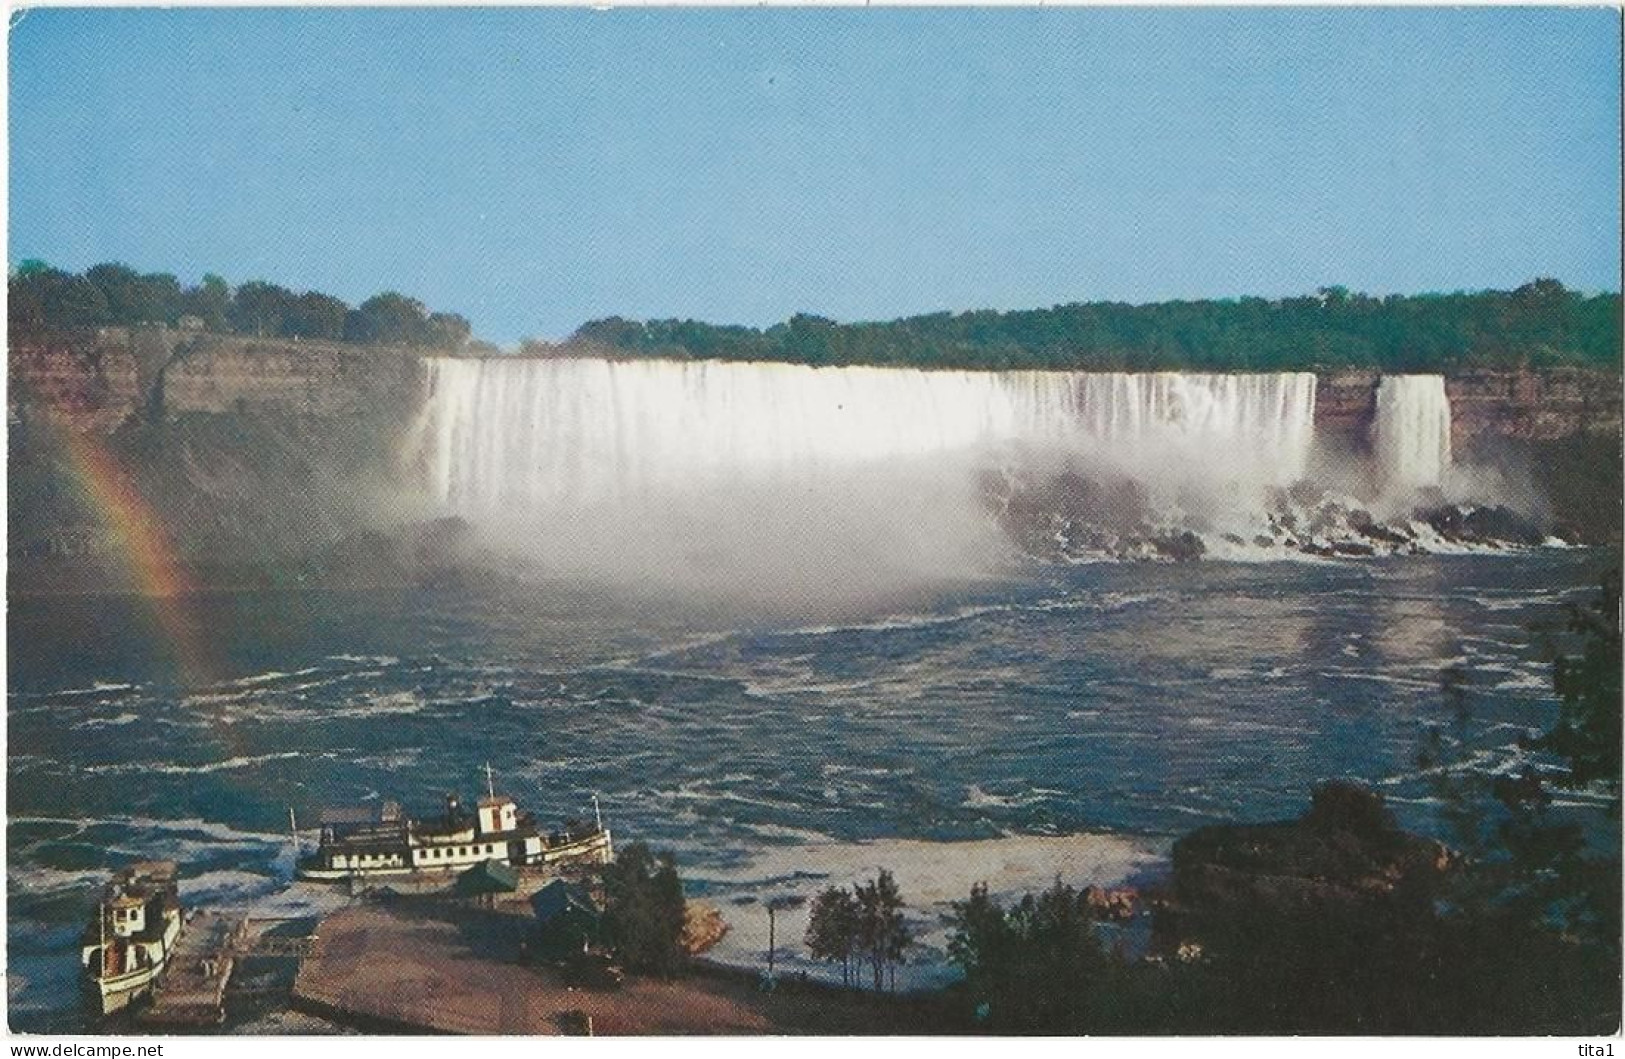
{"x": 99, "y": 382}
{"x": 259, "y": 457}
{"x": 1526, "y": 406}
{"x": 91, "y": 382}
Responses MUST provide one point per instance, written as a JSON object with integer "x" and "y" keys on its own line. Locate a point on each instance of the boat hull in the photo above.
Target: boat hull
{"x": 595, "y": 848}
{"x": 115, "y": 994}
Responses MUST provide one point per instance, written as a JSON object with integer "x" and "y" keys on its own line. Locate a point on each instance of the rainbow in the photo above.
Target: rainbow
{"x": 146, "y": 549}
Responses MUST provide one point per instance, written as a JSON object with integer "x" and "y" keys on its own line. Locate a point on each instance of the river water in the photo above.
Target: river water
{"x": 1067, "y": 720}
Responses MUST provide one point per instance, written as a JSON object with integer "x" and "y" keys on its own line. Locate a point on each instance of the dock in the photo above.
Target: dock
{"x": 192, "y": 989}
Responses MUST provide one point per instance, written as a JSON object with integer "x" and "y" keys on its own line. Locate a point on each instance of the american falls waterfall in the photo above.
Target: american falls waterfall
{"x": 661, "y": 469}
{"x": 517, "y": 434}
{"x": 1411, "y": 433}
{"x": 787, "y": 475}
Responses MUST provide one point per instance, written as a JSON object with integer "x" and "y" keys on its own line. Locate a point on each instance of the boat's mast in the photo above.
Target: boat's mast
{"x": 597, "y": 813}
{"x": 293, "y": 832}
{"x": 490, "y": 784}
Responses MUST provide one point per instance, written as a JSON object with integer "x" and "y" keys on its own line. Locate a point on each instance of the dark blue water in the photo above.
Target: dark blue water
{"x": 1129, "y": 701}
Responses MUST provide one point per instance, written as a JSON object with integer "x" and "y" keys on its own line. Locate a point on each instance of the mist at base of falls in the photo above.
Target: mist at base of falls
{"x": 817, "y": 486}
{"x": 873, "y": 534}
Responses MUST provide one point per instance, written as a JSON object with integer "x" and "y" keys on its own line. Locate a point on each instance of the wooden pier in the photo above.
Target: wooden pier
{"x": 192, "y": 989}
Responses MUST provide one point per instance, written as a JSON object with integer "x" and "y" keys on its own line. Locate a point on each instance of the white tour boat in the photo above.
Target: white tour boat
{"x": 382, "y": 841}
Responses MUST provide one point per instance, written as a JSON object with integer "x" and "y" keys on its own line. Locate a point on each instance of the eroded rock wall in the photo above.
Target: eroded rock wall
{"x": 1541, "y": 405}
{"x": 257, "y": 457}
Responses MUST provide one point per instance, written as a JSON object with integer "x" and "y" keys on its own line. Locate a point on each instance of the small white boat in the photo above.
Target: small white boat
{"x": 138, "y": 921}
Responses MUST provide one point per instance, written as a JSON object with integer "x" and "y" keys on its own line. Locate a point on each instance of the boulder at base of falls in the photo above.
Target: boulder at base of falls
{"x": 1344, "y": 861}
{"x": 1482, "y": 525}
{"x": 1183, "y": 546}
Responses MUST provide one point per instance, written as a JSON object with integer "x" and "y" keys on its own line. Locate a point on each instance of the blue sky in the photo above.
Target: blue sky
{"x": 534, "y": 169}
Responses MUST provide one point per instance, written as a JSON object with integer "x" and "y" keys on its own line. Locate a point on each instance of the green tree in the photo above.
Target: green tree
{"x": 980, "y": 942}
{"x": 832, "y": 929}
{"x": 1332, "y": 329}
{"x": 883, "y": 934}
{"x": 1587, "y": 733}
{"x": 314, "y": 315}
{"x": 1532, "y": 900}
{"x": 447, "y": 331}
{"x": 74, "y": 301}
{"x": 389, "y": 318}
{"x": 25, "y": 303}
{"x": 259, "y": 308}
{"x": 1037, "y": 966}
{"x": 120, "y": 287}
{"x": 644, "y": 911}
{"x": 209, "y": 301}
{"x": 133, "y": 298}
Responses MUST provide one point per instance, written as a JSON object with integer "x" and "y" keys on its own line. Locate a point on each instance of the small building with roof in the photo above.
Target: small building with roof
{"x": 567, "y": 917}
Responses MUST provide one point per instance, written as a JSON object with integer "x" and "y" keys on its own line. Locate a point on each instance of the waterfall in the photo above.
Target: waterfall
{"x": 510, "y": 435}
{"x": 1411, "y": 434}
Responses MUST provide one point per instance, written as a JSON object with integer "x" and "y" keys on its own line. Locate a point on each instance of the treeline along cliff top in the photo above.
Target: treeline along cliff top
{"x": 43, "y": 298}
{"x": 1540, "y": 324}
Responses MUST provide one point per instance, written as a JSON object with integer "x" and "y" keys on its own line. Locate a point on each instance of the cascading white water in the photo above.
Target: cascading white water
{"x": 1411, "y": 433}
{"x": 510, "y": 436}
{"x": 760, "y": 478}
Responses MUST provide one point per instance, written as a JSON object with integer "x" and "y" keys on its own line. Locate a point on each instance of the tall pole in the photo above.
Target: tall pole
{"x": 490, "y": 783}
{"x": 775, "y": 905}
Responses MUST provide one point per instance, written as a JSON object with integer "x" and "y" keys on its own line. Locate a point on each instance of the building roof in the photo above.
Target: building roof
{"x": 559, "y": 898}
{"x": 350, "y": 814}
{"x": 487, "y": 877}
{"x": 159, "y": 870}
